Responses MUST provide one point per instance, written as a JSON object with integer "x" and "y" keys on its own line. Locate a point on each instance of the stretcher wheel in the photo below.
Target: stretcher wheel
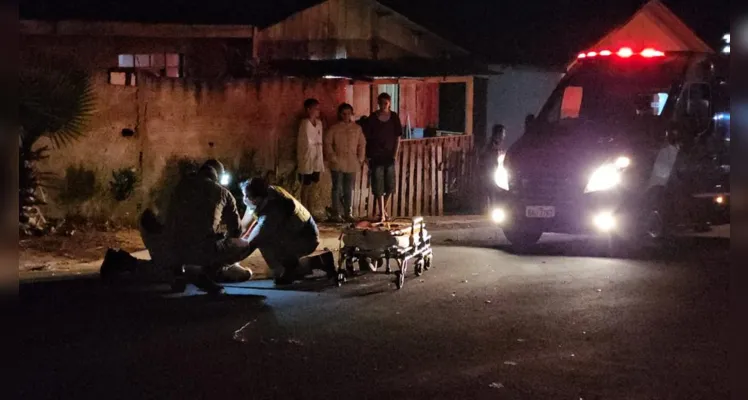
{"x": 349, "y": 267}
{"x": 427, "y": 262}
{"x": 400, "y": 281}
{"x": 419, "y": 268}
{"x": 400, "y": 275}
{"x": 388, "y": 269}
{"x": 340, "y": 279}
{"x": 365, "y": 264}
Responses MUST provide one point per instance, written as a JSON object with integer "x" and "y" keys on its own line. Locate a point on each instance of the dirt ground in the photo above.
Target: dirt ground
{"x": 75, "y": 247}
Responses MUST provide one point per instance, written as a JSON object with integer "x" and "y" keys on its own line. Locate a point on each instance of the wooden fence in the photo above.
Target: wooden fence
{"x": 425, "y": 171}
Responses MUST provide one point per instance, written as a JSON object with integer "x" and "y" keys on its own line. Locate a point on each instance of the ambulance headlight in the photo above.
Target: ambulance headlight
{"x": 501, "y": 175}
{"x": 608, "y": 176}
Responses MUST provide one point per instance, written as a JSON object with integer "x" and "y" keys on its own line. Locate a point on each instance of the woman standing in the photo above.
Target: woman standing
{"x": 345, "y": 151}
{"x": 309, "y": 151}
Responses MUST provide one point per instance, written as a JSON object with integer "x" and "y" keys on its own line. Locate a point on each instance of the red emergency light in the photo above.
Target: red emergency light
{"x": 623, "y": 52}
{"x": 649, "y": 53}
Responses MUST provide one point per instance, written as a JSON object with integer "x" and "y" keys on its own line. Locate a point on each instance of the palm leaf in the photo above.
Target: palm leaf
{"x": 56, "y": 99}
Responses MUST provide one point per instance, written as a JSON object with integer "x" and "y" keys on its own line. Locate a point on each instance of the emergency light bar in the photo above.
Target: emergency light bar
{"x": 624, "y": 52}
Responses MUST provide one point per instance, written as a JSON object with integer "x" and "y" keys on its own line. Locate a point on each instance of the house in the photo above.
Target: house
{"x": 654, "y": 25}
{"x": 224, "y": 79}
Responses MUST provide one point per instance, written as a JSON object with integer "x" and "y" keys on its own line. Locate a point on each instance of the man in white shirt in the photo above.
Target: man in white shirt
{"x": 309, "y": 151}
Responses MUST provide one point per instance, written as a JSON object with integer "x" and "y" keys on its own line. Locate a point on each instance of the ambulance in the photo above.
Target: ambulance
{"x": 632, "y": 144}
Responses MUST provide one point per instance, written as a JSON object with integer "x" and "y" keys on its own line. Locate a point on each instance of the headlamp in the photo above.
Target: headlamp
{"x": 225, "y": 179}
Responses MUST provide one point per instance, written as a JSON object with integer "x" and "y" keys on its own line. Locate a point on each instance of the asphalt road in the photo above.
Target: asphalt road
{"x": 561, "y": 323}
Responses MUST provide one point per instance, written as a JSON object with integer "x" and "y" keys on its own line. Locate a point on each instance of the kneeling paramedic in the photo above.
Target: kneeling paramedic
{"x": 190, "y": 242}
{"x": 282, "y": 229}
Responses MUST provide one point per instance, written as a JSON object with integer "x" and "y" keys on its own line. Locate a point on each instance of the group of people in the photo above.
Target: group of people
{"x": 202, "y": 238}
{"x": 344, "y": 148}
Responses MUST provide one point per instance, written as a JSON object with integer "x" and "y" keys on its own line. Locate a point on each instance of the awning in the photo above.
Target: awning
{"x": 363, "y": 69}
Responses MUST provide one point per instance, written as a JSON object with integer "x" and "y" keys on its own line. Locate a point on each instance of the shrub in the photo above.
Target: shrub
{"x": 123, "y": 183}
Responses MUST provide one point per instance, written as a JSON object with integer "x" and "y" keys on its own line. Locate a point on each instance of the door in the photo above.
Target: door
{"x": 695, "y": 177}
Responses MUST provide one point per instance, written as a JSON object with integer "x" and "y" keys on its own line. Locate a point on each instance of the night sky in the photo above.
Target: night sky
{"x": 547, "y": 32}
{"x": 537, "y": 32}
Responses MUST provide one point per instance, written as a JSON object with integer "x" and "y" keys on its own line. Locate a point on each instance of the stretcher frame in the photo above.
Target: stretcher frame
{"x": 418, "y": 252}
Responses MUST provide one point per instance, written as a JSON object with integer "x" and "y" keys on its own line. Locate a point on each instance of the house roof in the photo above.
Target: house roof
{"x": 370, "y": 69}
{"x": 260, "y": 13}
{"x": 654, "y": 25}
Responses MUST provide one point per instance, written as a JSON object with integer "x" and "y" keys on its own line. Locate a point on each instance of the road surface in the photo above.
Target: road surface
{"x": 560, "y": 323}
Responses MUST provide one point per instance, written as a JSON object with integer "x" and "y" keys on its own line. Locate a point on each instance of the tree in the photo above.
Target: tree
{"x": 56, "y": 100}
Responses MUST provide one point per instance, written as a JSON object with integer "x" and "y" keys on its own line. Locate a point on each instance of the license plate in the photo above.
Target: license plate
{"x": 540, "y": 211}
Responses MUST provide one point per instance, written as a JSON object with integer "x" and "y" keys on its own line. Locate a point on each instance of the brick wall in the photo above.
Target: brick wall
{"x": 176, "y": 119}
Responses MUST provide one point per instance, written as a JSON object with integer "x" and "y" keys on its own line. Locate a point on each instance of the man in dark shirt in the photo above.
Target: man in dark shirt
{"x": 383, "y": 131}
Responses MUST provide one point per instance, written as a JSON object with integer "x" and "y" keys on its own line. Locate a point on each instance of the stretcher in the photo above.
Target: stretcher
{"x": 373, "y": 245}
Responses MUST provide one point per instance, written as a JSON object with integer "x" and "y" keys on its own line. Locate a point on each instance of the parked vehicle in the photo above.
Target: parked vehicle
{"x": 631, "y": 144}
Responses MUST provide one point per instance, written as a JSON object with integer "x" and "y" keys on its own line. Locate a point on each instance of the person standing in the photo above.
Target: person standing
{"x": 309, "y": 151}
{"x": 345, "y": 151}
{"x": 382, "y": 131}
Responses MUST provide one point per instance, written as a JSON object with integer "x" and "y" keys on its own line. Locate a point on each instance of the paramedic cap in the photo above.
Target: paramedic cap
{"x": 255, "y": 187}
{"x": 215, "y": 164}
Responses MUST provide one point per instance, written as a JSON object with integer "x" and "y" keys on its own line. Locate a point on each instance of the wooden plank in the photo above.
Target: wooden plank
{"x": 369, "y": 197}
{"x": 325, "y": 19}
{"x": 426, "y": 178}
{"x": 427, "y": 104}
{"x": 392, "y": 207}
{"x": 469, "y": 96}
{"x": 411, "y": 180}
{"x": 419, "y": 178}
{"x": 356, "y": 194}
{"x": 445, "y": 162}
{"x": 405, "y": 151}
{"x": 363, "y": 189}
{"x": 439, "y": 182}
{"x": 434, "y": 185}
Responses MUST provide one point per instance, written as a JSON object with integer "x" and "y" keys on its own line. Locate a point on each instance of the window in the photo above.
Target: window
{"x": 613, "y": 93}
{"x": 571, "y": 102}
{"x": 161, "y": 64}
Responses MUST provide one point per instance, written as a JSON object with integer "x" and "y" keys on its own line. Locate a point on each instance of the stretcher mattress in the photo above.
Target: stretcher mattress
{"x": 381, "y": 236}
